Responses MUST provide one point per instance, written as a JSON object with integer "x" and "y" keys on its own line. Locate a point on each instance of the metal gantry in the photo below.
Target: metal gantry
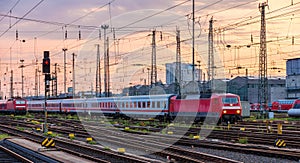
{"x": 106, "y": 62}
{"x": 98, "y": 73}
{"x": 65, "y": 69}
{"x": 211, "y": 62}
{"x": 263, "y": 80}
{"x": 178, "y": 64}
{"x": 153, "y": 61}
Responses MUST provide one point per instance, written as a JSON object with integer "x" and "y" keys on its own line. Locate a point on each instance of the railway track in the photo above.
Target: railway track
{"x": 11, "y": 152}
{"x": 7, "y": 155}
{"x": 176, "y": 153}
{"x": 233, "y": 134}
{"x": 81, "y": 150}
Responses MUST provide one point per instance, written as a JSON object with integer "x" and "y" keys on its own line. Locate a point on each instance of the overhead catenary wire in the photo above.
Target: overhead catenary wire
{"x": 34, "y": 7}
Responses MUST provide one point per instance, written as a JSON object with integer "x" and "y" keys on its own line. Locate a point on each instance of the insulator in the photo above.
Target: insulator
{"x": 17, "y": 35}
{"x": 66, "y": 34}
{"x": 161, "y": 36}
{"x": 114, "y": 34}
{"x": 99, "y": 34}
{"x": 79, "y": 35}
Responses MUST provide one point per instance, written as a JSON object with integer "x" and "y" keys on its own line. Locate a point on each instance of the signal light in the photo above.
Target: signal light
{"x": 46, "y": 65}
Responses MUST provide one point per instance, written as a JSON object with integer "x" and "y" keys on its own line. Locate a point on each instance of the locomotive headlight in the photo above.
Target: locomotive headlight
{"x": 238, "y": 111}
{"x": 224, "y": 111}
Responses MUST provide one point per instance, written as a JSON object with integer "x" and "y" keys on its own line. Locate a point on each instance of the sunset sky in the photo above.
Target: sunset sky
{"x": 42, "y": 25}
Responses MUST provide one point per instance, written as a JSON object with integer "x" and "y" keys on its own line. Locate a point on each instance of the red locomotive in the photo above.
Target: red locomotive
{"x": 14, "y": 105}
{"x": 226, "y": 107}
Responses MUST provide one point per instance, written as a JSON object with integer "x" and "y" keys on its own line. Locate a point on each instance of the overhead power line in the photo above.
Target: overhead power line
{"x": 22, "y": 17}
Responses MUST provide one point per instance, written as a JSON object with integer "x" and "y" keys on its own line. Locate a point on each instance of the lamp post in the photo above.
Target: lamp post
{"x": 22, "y": 76}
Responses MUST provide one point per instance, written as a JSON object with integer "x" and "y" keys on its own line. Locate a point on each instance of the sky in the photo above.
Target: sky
{"x": 42, "y": 25}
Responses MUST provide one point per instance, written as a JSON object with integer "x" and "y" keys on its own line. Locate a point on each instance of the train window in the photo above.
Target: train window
{"x": 148, "y": 104}
{"x": 135, "y": 104}
{"x": 153, "y": 104}
{"x": 159, "y": 104}
{"x": 164, "y": 104}
{"x": 230, "y": 100}
{"x": 94, "y": 105}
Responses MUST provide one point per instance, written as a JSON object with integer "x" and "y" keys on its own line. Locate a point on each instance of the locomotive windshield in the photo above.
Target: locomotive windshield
{"x": 230, "y": 100}
{"x": 296, "y": 106}
{"x": 20, "y": 102}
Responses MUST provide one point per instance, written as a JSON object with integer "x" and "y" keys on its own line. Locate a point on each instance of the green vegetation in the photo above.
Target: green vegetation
{"x": 20, "y": 128}
{"x": 106, "y": 148}
{"x": 243, "y": 140}
{"x": 92, "y": 142}
{"x": 3, "y": 136}
{"x": 53, "y": 135}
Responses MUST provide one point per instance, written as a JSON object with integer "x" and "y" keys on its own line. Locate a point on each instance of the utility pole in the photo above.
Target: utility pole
{"x": 153, "y": 61}
{"x": 263, "y": 80}
{"x": 39, "y": 87}
{"x": 107, "y": 69}
{"x": 211, "y": 62}
{"x": 73, "y": 80}
{"x": 11, "y": 84}
{"x": 104, "y": 27}
{"x": 193, "y": 40}
{"x": 178, "y": 64}
{"x": 65, "y": 78}
{"x": 36, "y": 78}
{"x": 22, "y": 76}
{"x": 98, "y": 72}
{"x": 55, "y": 80}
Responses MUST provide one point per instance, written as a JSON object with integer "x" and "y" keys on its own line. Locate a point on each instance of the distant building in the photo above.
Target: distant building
{"x": 293, "y": 78}
{"x": 186, "y": 73}
{"x": 247, "y": 88}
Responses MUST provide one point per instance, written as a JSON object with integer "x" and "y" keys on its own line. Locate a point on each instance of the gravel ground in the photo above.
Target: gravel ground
{"x": 247, "y": 158}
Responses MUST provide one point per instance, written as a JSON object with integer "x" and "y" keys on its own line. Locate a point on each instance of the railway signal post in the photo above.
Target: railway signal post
{"x": 46, "y": 71}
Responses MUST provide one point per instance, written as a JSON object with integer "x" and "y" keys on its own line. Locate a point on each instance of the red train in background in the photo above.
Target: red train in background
{"x": 226, "y": 107}
{"x": 282, "y": 105}
{"x": 16, "y": 105}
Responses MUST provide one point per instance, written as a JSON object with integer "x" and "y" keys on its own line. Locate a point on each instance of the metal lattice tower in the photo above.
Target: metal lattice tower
{"x": 211, "y": 62}
{"x": 153, "y": 61}
{"x": 263, "y": 81}
{"x": 106, "y": 62}
{"x": 98, "y": 73}
{"x": 178, "y": 63}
